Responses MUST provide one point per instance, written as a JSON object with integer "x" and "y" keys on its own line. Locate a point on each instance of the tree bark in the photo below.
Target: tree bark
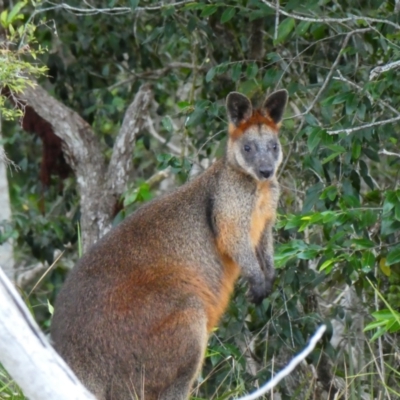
{"x": 99, "y": 185}
{"x": 6, "y": 249}
{"x": 27, "y": 355}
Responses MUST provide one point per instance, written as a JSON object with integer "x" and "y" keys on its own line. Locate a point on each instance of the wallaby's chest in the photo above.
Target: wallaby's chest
{"x": 263, "y": 212}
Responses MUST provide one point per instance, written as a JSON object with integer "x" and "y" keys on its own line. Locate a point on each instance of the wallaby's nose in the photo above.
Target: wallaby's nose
{"x": 266, "y": 172}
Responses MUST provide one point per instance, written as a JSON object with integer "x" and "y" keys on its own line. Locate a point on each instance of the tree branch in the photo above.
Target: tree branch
{"x": 289, "y": 368}
{"x": 351, "y": 18}
{"x": 155, "y": 74}
{"x": 91, "y": 10}
{"x": 121, "y": 160}
{"x": 331, "y": 71}
{"x": 358, "y": 128}
{"x": 388, "y": 153}
{"x": 81, "y": 145}
{"x": 27, "y": 355}
{"x": 156, "y": 135}
{"x": 84, "y": 154}
{"x": 375, "y": 72}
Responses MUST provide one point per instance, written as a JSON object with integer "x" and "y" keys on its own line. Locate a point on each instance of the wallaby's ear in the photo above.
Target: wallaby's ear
{"x": 239, "y": 108}
{"x": 274, "y": 105}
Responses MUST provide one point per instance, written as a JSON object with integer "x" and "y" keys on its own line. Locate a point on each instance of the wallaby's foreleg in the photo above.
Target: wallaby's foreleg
{"x": 233, "y": 243}
{"x": 266, "y": 251}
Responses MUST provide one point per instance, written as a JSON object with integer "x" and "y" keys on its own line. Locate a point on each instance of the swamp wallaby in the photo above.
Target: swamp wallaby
{"x": 133, "y": 317}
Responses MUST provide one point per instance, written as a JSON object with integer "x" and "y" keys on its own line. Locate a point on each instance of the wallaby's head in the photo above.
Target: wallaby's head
{"x": 253, "y": 144}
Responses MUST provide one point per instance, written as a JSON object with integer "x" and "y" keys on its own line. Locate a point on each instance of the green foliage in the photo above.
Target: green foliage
{"x": 386, "y": 320}
{"x": 339, "y": 222}
{"x": 8, "y": 389}
{"x": 18, "y": 50}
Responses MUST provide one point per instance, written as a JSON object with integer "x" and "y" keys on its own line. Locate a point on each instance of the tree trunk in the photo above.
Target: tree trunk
{"x": 99, "y": 185}
{"x": 6, "y": 249}
{"x": 27, "y": 355}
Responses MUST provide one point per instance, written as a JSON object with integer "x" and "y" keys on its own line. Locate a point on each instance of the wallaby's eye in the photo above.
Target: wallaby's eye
{"x": 247, "y": 148}
{"x": 275, "y": 146}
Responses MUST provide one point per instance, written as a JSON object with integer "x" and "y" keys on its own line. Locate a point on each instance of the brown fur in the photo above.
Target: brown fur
{"x": 133, "y": 317}
{"x": 256, "y": 119}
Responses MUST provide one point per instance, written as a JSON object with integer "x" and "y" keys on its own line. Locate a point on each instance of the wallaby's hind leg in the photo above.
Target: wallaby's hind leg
{"x": 179, "y": 390}
{"x": 190, "y": 366}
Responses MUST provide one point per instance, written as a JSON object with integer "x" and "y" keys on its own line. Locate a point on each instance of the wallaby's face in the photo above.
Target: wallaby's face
{"x": 253, "y": 144}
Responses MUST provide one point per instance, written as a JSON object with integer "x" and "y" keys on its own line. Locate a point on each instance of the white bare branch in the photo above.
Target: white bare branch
{"x": 389, "y": 153}
{"x": 155, "y": 73}
{"x": 289, "y": 368}
{"x": 156, "y": 135}
{"x": 27, "y": 355}
{"x": 351, "y": 18}
{"x": 375, "y": 72}
{"x": 92, "y": 10}
{"x": 358, "y": 128}
{"x": 276, "y": 20}
{"x": 121, "y": 160}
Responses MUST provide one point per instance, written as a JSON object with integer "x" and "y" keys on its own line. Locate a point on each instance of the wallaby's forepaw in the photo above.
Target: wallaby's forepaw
{"x": 259, "y": 290}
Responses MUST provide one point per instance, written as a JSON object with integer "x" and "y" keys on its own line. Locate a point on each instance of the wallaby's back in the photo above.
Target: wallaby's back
{"x": 133, "y": 317}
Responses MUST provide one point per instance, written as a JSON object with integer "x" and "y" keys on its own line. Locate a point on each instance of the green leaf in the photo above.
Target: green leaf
{"x": 397, "y": 211}
{"x": 362, "y": 243}
{"x": 183, "y": 104}
{"x": 331, "y": 157}
{"x": 236, "y": 71}
{"x": 251, "y": 70}
{"x": 356, "y": 151}
{"x": 302, "y": 27}
{"x": 167, "y": 124}
{"x": 394, "y": 256}
{"x": 228, "y": 14}
{"x": 14, "y": 12}
{"x": 3, "y": 18}
{"x": 284, "y": 29}
{"x": 133, "y": 4}
{"x": 368, "y": 260}
{"x": 378, "y": 334}
{"x": 208, "y": 10}
{"x": 210, "y": 74}
{"x": 50, "y": 307}
{"x": 384, "y": 267}
{"x": 327, "y": 263}
{"x": 372, "y": 154}
{"x": 314, "y": 139}
{"x": 351, "y": 103}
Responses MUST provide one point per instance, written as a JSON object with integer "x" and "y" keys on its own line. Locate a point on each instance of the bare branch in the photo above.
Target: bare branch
{"x": 121, "y": 160}
{"x": 28, "y": 357}
{"x": 30, "y": 274}
{"x": 155, "y": 74}
{"x": 156, "y": 135}
{"x": 158, "y": 177}
{"x": 5, "y": 160}
{"x": 358, "y": 128}
{"x": 388, "y": 153}
{"x": 351, "y": 18}
{"x": 81, "y": 144}
{"x": 91, "y": 10}
{"x": 370, "y": 98}
{"x": 383, "y": 68}
{"x": 289, "y": 368}
{"x": 84, "y": 154}
{"x": 276, "y": 20}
